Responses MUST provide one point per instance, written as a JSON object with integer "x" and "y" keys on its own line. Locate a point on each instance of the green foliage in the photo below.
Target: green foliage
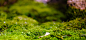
{"x": 71, "y": 30}
{"x": 24, "y": 20}
{"x": 3, "y": 16}
{"x": 73, "y": 13}
{"x": 36, "y": 10}
{"x": 19, "y": 20}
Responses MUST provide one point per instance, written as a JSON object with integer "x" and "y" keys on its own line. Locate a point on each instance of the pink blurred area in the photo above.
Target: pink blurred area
{"x": 79, "y": 4}
{"x": 42, "y": 0}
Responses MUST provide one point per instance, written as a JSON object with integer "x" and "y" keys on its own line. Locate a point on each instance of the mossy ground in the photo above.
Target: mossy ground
{"x": 21, "y": 21}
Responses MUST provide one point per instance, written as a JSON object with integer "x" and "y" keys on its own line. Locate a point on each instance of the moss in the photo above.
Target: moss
{"x": 21, "y": 22}
{"x": 36, "y": 10}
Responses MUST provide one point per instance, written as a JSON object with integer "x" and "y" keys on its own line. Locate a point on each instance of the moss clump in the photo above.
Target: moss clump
{"x": 18, "y": 22}
{"x": 36, "y": 10}
{"x": 57, "y": 30}
{"x": 73, "y": 13}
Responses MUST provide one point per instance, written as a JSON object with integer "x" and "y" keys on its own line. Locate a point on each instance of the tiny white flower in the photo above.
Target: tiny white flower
{"x": 25, "y": 22}
{"x": 4, "y": 22}
{"x": 22, "y": 32}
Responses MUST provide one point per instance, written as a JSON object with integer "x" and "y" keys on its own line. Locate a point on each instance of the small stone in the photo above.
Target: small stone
{"x": 47, "y": 33}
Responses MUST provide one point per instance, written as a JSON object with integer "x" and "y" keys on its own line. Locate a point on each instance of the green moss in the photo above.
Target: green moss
{"x": 19, "y": 23}
{"x": 73, "y": 13}
{"x": 36, "y": 10}
{"x": 24, "y": 20}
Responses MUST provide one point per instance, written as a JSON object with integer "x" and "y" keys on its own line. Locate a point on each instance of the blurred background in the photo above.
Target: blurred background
{"x": 40, "y": 10}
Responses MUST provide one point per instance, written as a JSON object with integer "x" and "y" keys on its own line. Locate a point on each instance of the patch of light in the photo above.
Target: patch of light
{"x": 25, "y": 22}
{"x": 16, "y": 22}
{"x": 22, "y": 32}
{"x": 4, "y": 22}
{"x": 54, "y": 23}
{"x": 47, "y": 33}
{"x": 50, "y": 27}
{"x": 25, "y": 19}
{"x": 20, "y": 18}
